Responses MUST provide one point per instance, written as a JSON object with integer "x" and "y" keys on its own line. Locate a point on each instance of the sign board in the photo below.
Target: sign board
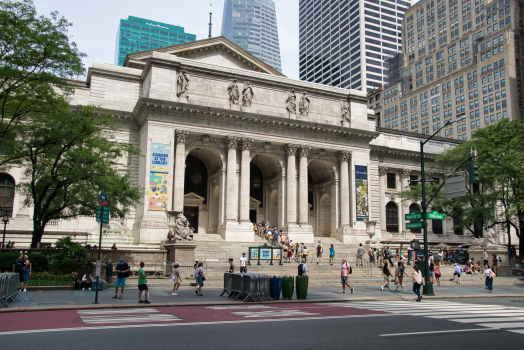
{"x": 435, "y": 216}
{"x": 103, "y": 198}
{"x": 411, "y": 225}
{"x": 102, "y": 214}
{"x": 361, "y": 187}
{"x": 265, "y": 254}
{"x": 159, "y": 176}
{"x": 413, "y": 216}
{"x": 455, "y": 187}
{"x": 98, "y": 268}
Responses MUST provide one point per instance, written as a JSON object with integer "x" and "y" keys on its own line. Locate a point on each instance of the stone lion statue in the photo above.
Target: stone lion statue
{"x": 181, "y": 230}
{"x": 489, "y": 240}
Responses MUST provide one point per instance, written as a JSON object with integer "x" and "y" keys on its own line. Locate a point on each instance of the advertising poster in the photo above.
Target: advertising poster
{"x": 277, "y": 253}
{"x": 253, "y": 253}
{"x": 361, "y": 179}
{"x": 159, "y": 176}
{"x": 265, "y": 254}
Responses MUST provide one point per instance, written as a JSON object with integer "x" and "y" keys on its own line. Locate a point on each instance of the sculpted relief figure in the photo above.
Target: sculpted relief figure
{"x": 247, "y": 95}
{"x": 233, "y": 92}
{"x": 182, "y": 84}
{"x": 303, "y": 105}
{"x": 291, "y": 102}
{"x": 346, "y": 112}
{"x": 181, "y": 230}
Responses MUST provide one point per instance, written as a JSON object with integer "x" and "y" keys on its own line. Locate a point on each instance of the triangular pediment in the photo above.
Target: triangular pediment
{"x": 254, "y": 201}
{"x": 193, "y": 196}
{"x": 218, "y": 51}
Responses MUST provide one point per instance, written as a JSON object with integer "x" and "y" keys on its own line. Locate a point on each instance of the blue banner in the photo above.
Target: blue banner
{"x": 361, "y": 187}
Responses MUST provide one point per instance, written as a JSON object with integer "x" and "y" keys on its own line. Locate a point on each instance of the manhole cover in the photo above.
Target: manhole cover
{"x": 53, "y": 304}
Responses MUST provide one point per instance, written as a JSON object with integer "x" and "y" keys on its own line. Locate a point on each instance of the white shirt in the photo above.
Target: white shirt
{"x": 243, "y": 261}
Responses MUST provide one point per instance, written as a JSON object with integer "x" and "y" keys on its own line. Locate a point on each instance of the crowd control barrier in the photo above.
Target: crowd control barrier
{"x": 9, "y": 283}
{"x": 246, "y": 286}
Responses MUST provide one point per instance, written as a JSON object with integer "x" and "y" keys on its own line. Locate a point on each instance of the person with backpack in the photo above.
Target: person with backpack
{"x": 399, "y": 273}
{"x": 320, "y": 250}
{"x": 302, "y": 268}
{"x": 122, "y": 270}
{"x": 490, "y": 275}
{"x": 386, "y": 272}
{"x": 345, "y": 271}
{"x": 18, "y": 267}
{"x": 305, "y": 253}
{"x": 458, "y": 272}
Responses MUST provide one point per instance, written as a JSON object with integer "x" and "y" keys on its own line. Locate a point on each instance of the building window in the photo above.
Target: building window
{"x": 436, "y": 226}
{"x": 392, "y": 180}
{"x": 391, "y": 217}
{"x": 414, "y": 208}
{"x": 7, "y": 194}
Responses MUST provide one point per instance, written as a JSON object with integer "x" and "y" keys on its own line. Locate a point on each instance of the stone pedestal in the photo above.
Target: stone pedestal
{"x": 348, "y": 234}
{"x": 180, "y": 251}
{"x": 477, "y": 253}
{"x": 237, "y": 232}
{"x": 299, "y": 233}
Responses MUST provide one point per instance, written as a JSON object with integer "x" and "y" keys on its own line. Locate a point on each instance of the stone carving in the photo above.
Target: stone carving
{"x": 291, "y": 102}
{"x": 182, "y": 84}
{"x": 181, "y": 229}
{"x": 344, "y": 155}
{"x": 233, "y": 92}
{"x": 267, "y": 145}
{"x": 406, "y": 173}
{"x": 303, "y": 106}
{"x": 383, "y": 170}
{"x": 321, "y": 152}
{"x": 346, "y": 111}
{"x": 304, "y": 151}
{"x": 291, "y": 149}
{"x": 232, "y": 142}
{"x": 246, "y": 142}
{"x": 205, "y": 138}
{"x": 247, "y": 94}
{"x": 180, "y": 136}
{"x": 489, "y": 241}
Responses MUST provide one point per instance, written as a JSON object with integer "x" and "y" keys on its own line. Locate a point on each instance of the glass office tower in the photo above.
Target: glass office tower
{"x": 252, "y": 25}
{"x": 139, "y": 34}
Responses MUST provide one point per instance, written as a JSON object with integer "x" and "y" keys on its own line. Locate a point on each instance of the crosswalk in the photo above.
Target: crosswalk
{"x": 125, "y": 316}
{"x": 492, "y": 316}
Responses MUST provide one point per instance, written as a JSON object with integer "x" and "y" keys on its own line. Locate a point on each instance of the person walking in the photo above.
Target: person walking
{"x": 458, "y": 272}
{"x": 200, "y": 277}
{"x": 437, "y": 275}
{"x": 320, "y": 250}
{"x": 400, "y": 272}
{"x": 345, "y": 268}
{"x": 360, "y": 254}
{"x": 486, "y": 257}
{"x": 302, "y": 268}
{"x": 142, "y": 284}
{"x": 431, "y": 271}
{"x": 494, "y": 263}
{"x": 489, "y": 274}
{"x": 243, "y": 263}
{"x": 122, "y": 270}
{"x": 231, "y": 266}
{"x": 440, "y": 257}
{"x": 386, "y": 272}
{"x": 27, "y": 273}
{"x": 289, "y": 252}
{"x": 371, "y": 256}
{"x": 417, "y": 282}
{"x": 177, "y": 279}
{"x": 331, "y": 254}
{"x": 18, "y": 267}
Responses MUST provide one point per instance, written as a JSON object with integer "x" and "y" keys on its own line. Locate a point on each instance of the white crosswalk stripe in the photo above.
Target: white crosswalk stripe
{"x": 488, "y": 316}
{"x": 125, "y": 316}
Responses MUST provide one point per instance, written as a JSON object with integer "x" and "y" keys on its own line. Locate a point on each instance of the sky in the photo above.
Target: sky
{"x": 95, "y": 23}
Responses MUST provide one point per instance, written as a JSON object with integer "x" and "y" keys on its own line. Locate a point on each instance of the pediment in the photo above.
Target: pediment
{"x": 193, "y": 197}
{"x": 218, "y": 51}
{"x": 254, "y": 201}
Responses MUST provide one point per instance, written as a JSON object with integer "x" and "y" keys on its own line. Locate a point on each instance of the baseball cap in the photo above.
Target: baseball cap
{"x": 121, "y": 260}
{"x": 196, "y": 260}
{"x": 177, "y": 264}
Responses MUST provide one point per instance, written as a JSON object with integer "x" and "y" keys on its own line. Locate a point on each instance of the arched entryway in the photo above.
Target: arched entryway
{"x": 392, "y": 217}
{"x": 322, "y": 197}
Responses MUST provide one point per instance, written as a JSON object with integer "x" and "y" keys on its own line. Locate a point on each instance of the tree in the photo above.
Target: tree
{"x": 36, "y": 58}
{"x": 68, "y": 157}
{"x": 69, "y": 256}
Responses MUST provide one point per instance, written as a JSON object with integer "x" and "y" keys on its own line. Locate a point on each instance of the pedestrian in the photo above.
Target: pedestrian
{"x": 282, "y": 238}
{"x": 122, "y": 269}
{"x": 440, "y": 257}
{"x": 400, "y": 272}
{"x": 437, "y": 275}
{"x": 27, "y": 273}
{"x": 397, "y": 255}
{"x": 417, "y": 282}
{"x": 142, "y": 285}
{"x": 371, "y": 256}
{"x": 386, "y": 272}
{"x": 320, "y": 250}
{"x": 298, "y": 252}
{"x": 289, "y": 253}
{"x": 18, "y": 267}
{"x": 489, "y": 277}
{"x": 231, "y": 266}
{"x": 494, "y": 263}
{"x": 176, "y": 278}
{"x": 431, "y": 271}
{"x": 331, "y": 254}
{"x": 302, "y": 268}
{"x": 458, "y": 272}
{"x": 114, "y": 247}
{"x": 345, "y": 269}
{"x": 360, "y": 254}
{"x": 243, "y": 263}
{"x": 305, "y": 253}
{"x": 195, "y": 266}
{"x": 200, "y": 278}
{"x": 87, "y": 281}
{"x": 486, "y": 257}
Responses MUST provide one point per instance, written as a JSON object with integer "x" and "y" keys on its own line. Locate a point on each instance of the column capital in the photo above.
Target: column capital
{"x": 292, "y": 149}
{"x": 344, "y": 155}
{"x": 232, "y": 141}
{"x": 180, "y": 136}
{"x": 383, "y": 170}
{"x": 304, "y": 151}
{"x": 245, "y": 142}
{"x": 406, "y": 173}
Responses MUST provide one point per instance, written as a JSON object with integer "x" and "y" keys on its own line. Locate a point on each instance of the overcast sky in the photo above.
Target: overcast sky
{"x": 95, "y": 23}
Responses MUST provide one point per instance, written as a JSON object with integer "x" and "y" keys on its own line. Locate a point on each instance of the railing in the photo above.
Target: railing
{"x": 185, "y": 269}
{"x": 219, "y": 256}
{"x": 9, "y": 283}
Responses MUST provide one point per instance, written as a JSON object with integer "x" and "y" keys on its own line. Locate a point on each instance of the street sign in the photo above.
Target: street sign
{"x": 435, "y": 216}
{"x": 456, "y": 187}
{"x": 413, "y": 216}
{"x": 103, "y": 198}
{"x": 410, "y": 225}
{"x": 102, "y": 214}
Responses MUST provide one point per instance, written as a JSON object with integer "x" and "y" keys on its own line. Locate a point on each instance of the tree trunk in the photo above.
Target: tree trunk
{"x": 38, "y": 232}
{"x": 519, "y": 234}
{"x": 508, "y": 226}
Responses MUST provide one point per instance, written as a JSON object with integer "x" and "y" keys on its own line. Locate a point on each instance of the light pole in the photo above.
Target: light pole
{"x": 5, "y": 219}
{"x": 428, "y": 286}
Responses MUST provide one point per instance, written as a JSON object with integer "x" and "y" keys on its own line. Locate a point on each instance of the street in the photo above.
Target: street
{"x": 476, "y": 323}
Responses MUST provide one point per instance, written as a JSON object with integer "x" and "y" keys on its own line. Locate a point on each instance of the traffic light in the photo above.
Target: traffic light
{"x": 473, "y": 173}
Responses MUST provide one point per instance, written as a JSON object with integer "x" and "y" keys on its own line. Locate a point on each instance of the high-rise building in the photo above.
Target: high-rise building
{"x": 139, "y": 34}
{"x": 460, "y": 58}
{"x": 345, "y": 42}
{"x": 252, "y": 25}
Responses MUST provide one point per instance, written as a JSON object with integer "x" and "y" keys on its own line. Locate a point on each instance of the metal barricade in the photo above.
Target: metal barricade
{"x": 248, "y": 286}
{"x": 9, "y": 283}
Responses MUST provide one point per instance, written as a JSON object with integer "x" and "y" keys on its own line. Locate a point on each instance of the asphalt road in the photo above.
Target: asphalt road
{"x": 434, "y": 324}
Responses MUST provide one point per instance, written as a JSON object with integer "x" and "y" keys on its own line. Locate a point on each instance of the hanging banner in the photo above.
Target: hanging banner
{"x": 159, "y": 176}
{"x": 361, "y": 179}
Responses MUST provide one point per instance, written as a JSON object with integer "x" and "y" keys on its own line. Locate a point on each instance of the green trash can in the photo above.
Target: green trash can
{"x": 302, "y": 286}
{"x": 288, "y": 287}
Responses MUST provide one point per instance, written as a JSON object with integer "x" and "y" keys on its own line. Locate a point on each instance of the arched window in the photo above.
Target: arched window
{"x": 414, "y": 208}
{"x": 457, "y": 222}
{"x": 436, "y": 225}
{"x": 7, "y": 194}
{"x": 391, "y": 217}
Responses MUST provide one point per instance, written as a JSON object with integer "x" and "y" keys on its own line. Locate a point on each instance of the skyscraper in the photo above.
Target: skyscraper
{"x": 345, "y": 43}
{"x": 139, "y": 34}
{"x": 252, "y": 25}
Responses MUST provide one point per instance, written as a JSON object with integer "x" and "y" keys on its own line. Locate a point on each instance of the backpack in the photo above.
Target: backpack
{"x": 301, "y": 269}
{"x": 197, "y": 272}
{"x": 319, "y": 248}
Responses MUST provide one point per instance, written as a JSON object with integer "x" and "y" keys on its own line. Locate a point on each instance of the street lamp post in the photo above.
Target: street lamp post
{"x": 5, "y": 219}
{"x": 428, "y": 286}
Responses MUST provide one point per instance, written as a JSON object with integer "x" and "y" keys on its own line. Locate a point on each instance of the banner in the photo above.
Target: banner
{"x": 159, "y": 176}
{"x": 361, "y": 179}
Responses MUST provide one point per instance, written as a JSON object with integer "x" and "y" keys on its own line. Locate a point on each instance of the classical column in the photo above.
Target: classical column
{"x": 344, "y": 157}
{"x": 180, "y": 170}
{"x": 232, "y": 182}
{"x": 404, "y": 183}
{"x": 383, "y": 171}
{"x": 303, "y": 208}
{"x": 245, "y": 143}
{"x": 291, "y": 194}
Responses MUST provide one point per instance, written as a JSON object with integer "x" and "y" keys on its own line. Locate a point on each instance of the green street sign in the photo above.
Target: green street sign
{"x": 102, "y": 215}
{"x": 411, "y": 225}
{"x": 413, "y": 216}
{"x": 435, "y": 216}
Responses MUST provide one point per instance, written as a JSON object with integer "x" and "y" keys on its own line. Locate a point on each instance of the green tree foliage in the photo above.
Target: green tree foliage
{"x": 38, "y": 261}
{"x": 68, "y": 157}
{"x": 70, "y": 256}
{"x": 36, "y": 58}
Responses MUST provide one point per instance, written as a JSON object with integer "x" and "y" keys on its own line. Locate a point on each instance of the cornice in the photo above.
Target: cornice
{"x": 112, "y": 74}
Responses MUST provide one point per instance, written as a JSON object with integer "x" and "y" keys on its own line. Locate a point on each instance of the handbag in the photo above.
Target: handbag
{"x": 492, "y": 274}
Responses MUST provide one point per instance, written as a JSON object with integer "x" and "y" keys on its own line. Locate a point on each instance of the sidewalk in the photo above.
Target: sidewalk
{"x": 70, "y": 300}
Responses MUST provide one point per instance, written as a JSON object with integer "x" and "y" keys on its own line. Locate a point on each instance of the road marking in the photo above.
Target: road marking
{"x": 240, "y": 307}
{"x": 125, "y": 316}
{"x": 118, "y": 311}
{"x": 433, "y": 332}
{"x": 276, "y": 313}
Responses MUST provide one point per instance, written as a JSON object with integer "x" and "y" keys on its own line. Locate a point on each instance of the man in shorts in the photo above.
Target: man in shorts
{"x": 142, "y": 284}
{"x": 458, "y": 272}
{"x": 320, "y": 250}
{"x": 243, "y": 263}
{"x": 344, "y": 273}
{"x": 360, "y": 254}
{"x": 122, "y": 269}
